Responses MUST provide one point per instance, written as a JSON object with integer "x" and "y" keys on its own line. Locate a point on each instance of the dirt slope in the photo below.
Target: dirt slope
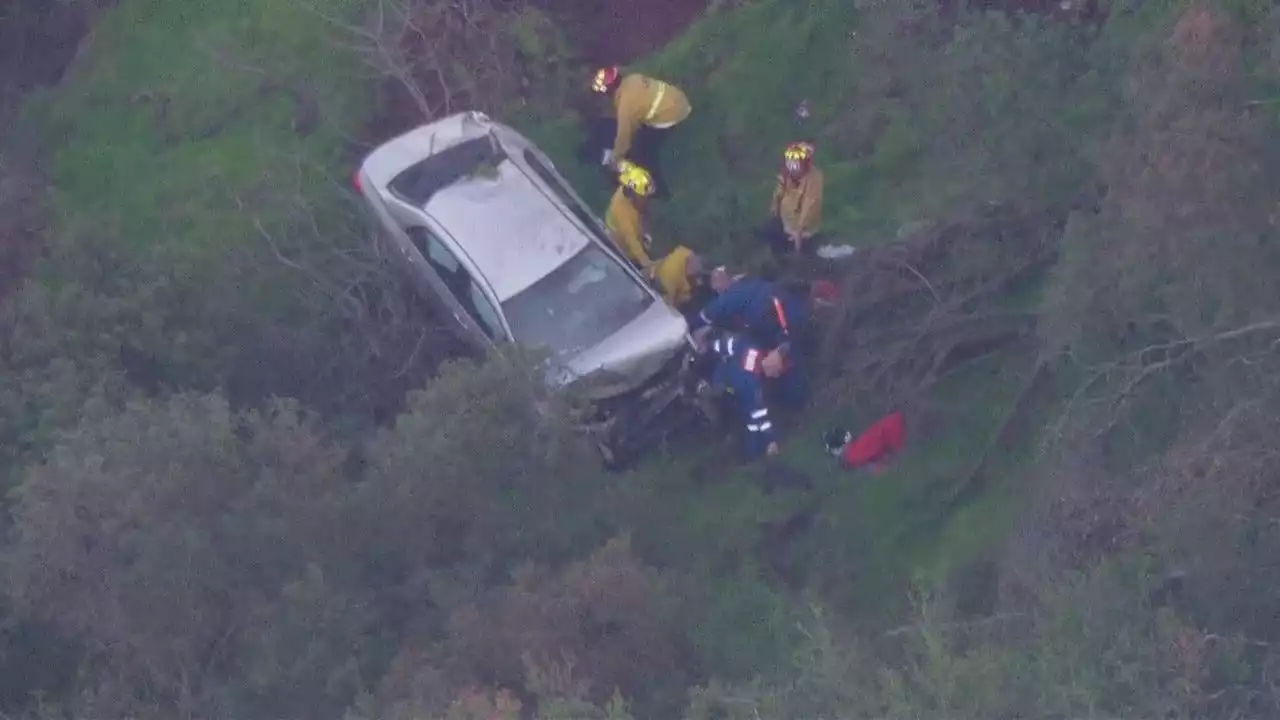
{"x": 619, "y": 31}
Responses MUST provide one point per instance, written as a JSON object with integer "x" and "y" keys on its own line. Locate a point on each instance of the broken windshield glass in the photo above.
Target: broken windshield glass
{"x": 577, "y": 305}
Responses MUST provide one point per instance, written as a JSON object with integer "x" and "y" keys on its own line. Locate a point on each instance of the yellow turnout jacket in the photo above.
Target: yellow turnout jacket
{"x": 641, "y": 100}
{"x": 626, "y": 228}
{"x": 672, "y": 275}
{"x": 799, "y": 203}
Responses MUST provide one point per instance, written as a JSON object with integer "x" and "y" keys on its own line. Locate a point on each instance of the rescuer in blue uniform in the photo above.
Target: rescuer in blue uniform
{"x": 770, "y": 315}
{"x": 740, "y": 371}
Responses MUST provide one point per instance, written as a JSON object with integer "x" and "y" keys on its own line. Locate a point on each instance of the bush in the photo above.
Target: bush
{"x": 570, "y": 643}
{"x": 160, "y": 535}
{"x": 1162, "y": 303}
{"x": 1182, "y": 243}
{"x": 442, "y": 58}
{"x": 480, "y": 472}
{"x": 608, "y": 621}
{"x": 1098, "y": 648}
{"x": 232, "y": 562}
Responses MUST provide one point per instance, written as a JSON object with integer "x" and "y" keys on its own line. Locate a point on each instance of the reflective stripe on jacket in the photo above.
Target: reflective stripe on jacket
{"x": 641, "y": 100}
{"x": 758, "y": 307}
{"x": 738, "y": 371}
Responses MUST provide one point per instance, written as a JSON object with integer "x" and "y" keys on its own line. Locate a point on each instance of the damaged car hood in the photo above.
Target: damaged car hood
{"x": 630, "y": 356}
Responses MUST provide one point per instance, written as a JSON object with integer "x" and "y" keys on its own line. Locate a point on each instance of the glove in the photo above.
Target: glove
{"x": 607, "y": 158}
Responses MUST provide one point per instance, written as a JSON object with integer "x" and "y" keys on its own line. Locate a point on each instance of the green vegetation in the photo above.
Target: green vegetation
{"x": 246, "y": 481}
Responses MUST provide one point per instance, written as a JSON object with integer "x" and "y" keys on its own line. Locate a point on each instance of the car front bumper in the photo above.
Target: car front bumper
{"x": 632, "y": 421}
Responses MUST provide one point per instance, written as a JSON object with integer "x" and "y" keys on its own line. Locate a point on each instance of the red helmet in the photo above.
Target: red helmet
{"x": 606, "y": 79}
{"x": 798, "y": 158}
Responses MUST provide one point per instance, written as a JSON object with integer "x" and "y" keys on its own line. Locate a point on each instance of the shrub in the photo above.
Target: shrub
{"x": 610, "y": 618}
{"x": 1182, "y": 243}
{"x": 570, "y": 643}
{"x": 481, "y": 471}
{"x": 161, "y": 534}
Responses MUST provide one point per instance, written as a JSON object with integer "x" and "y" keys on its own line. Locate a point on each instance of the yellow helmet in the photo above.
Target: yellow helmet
{"x": 798, "y": 157}
{"x": 635, "y": 178}
{"x": 605, "y": 79}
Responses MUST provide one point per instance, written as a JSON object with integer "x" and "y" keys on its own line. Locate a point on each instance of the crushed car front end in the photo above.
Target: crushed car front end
{"x": 626, "y": 418}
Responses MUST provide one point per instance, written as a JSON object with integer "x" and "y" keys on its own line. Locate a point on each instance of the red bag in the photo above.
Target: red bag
{"x": 885, "y": 438}
{"x": 824, "y": 292}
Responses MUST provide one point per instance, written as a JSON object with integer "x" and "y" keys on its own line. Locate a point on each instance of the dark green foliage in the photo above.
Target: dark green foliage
{"x": 230, "y": 562}
{"x": 1184, "y": 241}
{"x": 1098, "y": 648}
{"x": 600, "y": 627}
{"x": 480, "y": 471}
{"x": 160, "y": 534}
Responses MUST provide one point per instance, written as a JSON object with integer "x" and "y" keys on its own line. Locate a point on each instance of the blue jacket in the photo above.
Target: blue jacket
{"x": 738, "y": 372}
{"x": 762, "y": 309}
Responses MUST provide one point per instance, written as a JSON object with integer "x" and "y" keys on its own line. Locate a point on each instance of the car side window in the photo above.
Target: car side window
{"x": 484, "y": 313}
{"x": 457, "y": 279}
{"x": 434, "y": 252}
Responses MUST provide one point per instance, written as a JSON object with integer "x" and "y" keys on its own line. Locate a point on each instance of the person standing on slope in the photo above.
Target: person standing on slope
{"x": 644, "y": 111}
{"x": 796, "y": 207}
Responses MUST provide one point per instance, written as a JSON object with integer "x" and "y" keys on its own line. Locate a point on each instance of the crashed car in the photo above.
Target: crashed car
{"x": 491, "y": 234}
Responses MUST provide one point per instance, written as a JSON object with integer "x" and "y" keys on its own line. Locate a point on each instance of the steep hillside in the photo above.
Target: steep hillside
{"x": 1066, "y": 225}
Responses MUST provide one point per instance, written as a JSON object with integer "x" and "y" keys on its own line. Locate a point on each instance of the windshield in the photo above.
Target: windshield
{"x": 578, "y": 305}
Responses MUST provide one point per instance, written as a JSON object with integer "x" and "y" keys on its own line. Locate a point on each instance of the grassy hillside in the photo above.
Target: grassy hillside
{"x": 190, "y": 556}
{"x": 180, "y": 128}
{"x": 901, "y": 143}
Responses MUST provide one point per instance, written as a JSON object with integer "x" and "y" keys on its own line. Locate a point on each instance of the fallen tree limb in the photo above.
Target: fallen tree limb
{"x": 1138, "y": 368}
{"x": 1008, "y": 433}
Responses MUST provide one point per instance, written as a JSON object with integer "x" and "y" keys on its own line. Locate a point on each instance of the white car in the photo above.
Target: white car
{"x": 491, "y": 233}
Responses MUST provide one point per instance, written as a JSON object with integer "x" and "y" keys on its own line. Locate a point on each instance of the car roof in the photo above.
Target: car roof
{"x": 512, "y": 227}
{"x": 394, "y": 156}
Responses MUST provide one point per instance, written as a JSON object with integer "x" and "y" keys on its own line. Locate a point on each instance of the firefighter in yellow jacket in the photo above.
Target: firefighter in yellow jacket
{"x": 625, "y": 216}
{"x": 797, "y": 202}
{"x": 676, "y": 275}
{"x": 645, "y": 110}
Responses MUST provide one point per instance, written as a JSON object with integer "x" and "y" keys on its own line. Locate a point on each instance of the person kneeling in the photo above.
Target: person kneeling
{"x": 679, "y": 275}
{"x": 625, "y": 217}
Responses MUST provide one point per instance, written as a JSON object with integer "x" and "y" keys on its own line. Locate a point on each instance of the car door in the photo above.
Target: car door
{"x": 441, "y": 274}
